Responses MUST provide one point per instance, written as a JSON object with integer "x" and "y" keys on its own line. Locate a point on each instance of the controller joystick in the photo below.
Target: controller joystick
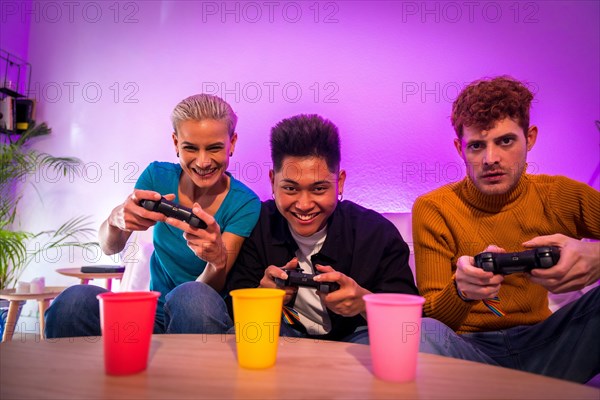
{"x": 510, "y": 263}
{"x": 173, "y": 210}
{"x": 297, "y": 278}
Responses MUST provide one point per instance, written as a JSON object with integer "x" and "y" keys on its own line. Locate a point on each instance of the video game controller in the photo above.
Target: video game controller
{"x": 173, "y": 210}
{"x": 297, "y": 278}
{"x": 525, "y": 261}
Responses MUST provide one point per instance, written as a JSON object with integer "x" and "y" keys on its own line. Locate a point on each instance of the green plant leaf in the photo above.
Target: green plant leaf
{"x": 13, "y": 251}
{"x": 17, "y": 162}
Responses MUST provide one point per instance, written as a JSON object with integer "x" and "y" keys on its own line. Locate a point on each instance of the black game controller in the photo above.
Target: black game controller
{"x": 297, "y": 278}
{"x": 525, "y": 261}
{"x": 173, "y": 210}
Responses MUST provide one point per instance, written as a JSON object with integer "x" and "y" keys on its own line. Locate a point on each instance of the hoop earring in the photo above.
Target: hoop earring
{"x": 231, "y": 154}
{"x": 340, "y": 196}
{"x": 177, "y": 154}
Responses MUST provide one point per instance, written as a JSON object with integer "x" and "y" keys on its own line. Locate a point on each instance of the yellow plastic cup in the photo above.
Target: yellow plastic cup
{"x": 257, "y": 315}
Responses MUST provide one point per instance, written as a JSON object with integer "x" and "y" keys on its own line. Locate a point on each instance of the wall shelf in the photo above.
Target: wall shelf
{"x": 15, "y": 74}
{"x": 16, "y": 112}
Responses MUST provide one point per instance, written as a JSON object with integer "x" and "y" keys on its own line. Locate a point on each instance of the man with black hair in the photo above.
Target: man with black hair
{"x": 307, "y": 226}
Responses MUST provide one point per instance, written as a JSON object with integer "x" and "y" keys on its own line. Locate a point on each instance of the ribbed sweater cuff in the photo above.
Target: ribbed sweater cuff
{"x": 447, "y": 307}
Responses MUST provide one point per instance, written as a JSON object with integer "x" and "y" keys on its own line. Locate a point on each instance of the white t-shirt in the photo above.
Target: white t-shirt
{"x": 312, "y": 312}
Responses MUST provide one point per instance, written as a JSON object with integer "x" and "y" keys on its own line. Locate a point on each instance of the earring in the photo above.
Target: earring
{"x": 340, "y": 196}
{"x": 230, "y": 153}
{"x": 273, "y": 195}
{"x": 177, "y": 154}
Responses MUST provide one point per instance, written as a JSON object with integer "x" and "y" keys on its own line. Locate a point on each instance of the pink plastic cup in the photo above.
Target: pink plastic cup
{"x": 127, "y": 321}
{"x": 394, "y": 334}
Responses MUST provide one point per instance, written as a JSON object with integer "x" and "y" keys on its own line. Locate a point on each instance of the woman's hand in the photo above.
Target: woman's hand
{"x": 131, "y": 216}
{"x": 207, "y": 244}
{"x": 126, "y": 218}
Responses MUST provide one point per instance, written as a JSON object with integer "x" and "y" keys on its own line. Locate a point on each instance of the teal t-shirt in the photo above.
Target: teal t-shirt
{"x": 172, "y": 262}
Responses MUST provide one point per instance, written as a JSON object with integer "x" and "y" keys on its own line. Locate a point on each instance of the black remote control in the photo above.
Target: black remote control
{"x": 525, "y": 261}
{"x": 102, "y": 269}
{"x": 173, "y": 210}
{"x": 297, "y": 278}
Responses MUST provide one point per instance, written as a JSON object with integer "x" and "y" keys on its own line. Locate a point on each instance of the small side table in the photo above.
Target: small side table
{"x": 87, "y": 276}
{"x": 15, "y": 301}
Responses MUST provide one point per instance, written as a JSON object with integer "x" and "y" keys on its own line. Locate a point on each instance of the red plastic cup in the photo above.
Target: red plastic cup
{"x": 394, "y": 334}
{"x": 127, "y": 321}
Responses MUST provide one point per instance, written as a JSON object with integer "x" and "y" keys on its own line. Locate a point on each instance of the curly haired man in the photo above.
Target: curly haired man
{"x": 498, "y": 207}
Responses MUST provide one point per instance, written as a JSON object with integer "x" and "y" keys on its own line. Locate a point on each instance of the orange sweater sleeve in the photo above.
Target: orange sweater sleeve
{"x": 434, "y": 252}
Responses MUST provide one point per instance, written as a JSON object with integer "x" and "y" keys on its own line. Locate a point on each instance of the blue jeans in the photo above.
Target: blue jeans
{"x": 564, "y": 346}
{"x": 359, "y": 336}
{"x": 208, "y": 314}
{"x": 192, "y": 307}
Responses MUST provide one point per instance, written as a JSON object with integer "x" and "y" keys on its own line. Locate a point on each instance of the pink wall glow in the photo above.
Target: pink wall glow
{"x": 107, "y": 75}
{"x": 14, "y": 28}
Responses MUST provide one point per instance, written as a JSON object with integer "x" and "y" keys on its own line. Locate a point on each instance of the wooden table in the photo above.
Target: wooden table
{"x": 16, "y": 299}
{"x": 87, "y": 276}
{"x": 205, "y": 366}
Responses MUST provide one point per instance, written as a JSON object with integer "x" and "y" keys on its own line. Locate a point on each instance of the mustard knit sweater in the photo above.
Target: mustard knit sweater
{"x": 457, "y": 220}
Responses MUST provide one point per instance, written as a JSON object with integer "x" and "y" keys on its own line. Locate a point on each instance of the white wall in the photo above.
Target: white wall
{"x": 107, "y": 75}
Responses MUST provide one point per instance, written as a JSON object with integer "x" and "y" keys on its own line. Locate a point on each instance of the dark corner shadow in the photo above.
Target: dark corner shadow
{"x": 362, "y": 354}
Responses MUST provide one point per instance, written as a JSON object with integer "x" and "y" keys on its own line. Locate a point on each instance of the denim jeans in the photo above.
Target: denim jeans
{"x": 192, "y": 307}
{"x": 564, "y": 346}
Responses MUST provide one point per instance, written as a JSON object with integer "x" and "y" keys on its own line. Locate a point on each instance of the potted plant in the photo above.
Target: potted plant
{"x": 17, "y": 161}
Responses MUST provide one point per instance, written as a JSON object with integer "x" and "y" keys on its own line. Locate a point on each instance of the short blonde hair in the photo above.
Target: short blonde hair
{"x": 204, "y": 106}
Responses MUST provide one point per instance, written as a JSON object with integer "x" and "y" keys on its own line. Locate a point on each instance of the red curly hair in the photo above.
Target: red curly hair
{"x": 485, "y": 102}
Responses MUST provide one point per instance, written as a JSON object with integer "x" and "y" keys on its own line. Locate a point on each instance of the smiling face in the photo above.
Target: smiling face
{"x": 204, "y": 148}
{"x": 306, "y": 192}
{"x": 496, "y": 158}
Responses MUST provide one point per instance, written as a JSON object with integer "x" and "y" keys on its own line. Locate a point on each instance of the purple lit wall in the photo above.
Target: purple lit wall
{"x": 14, "y": 30}
{"x": 107, "y": 75}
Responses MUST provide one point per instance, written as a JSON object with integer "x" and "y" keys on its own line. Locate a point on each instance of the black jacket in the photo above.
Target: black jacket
{"x": 360, "y": 243}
